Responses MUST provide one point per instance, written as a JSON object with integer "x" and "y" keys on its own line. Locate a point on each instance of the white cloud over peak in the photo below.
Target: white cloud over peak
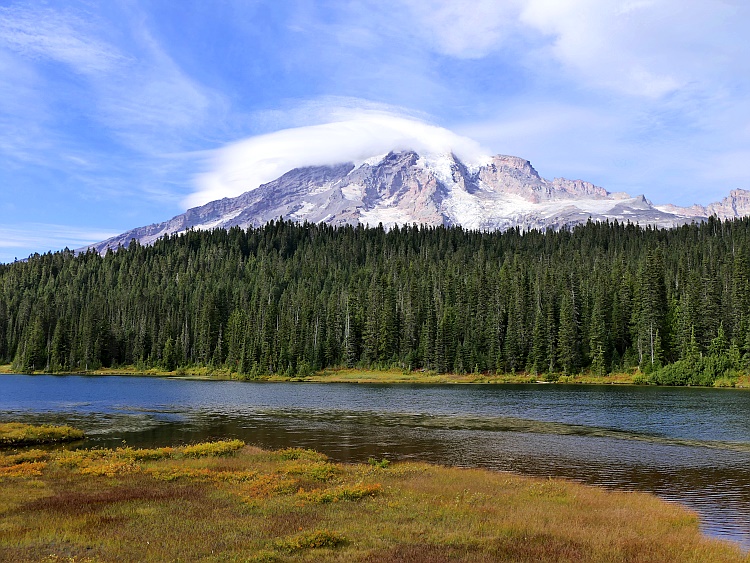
{"x": 245, "y": 165}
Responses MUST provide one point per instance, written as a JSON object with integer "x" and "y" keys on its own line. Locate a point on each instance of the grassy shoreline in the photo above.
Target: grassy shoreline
{"x": 393, "y": 375}
{"x": 225, "y": 501}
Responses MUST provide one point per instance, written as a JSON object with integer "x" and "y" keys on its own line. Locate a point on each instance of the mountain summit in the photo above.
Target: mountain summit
{"x": 405, "y": 187}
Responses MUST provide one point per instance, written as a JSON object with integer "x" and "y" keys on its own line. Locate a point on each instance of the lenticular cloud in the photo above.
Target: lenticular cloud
{"x": 245, "y": 165}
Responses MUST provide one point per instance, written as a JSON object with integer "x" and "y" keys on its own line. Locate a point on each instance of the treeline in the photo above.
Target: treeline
{"x": 289, "y": 298}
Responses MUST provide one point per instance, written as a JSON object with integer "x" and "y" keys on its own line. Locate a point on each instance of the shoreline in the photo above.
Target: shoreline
{"x": 374, "y": 376}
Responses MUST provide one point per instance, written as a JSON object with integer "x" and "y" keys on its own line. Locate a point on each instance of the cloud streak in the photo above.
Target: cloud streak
{"x": 642, "y": 48}
{"x": 140, "y": 96}
{"x": 49, "y": 34}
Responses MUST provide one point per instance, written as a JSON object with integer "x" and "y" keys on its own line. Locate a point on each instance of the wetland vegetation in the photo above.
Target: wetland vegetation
{"x": 225, "y": 501}
{"x": 17, "y": 434}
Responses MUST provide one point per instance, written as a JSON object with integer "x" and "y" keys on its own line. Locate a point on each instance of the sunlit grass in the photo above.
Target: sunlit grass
{"x": 224, "y": 501}
{"x": 15, "y": 434}
{"x": 395, "y": 375}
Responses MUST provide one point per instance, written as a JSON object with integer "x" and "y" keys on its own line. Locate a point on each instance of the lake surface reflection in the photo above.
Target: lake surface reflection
{"x": 683, "y": 444}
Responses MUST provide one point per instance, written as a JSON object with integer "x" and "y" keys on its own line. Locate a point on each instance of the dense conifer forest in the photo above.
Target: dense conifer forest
{"x": 291, "y": 299}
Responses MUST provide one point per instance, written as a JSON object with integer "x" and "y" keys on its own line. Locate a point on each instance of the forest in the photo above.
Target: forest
{"x": 292, "y": 299}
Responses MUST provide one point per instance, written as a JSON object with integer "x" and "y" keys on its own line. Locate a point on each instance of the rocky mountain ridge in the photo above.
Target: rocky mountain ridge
{"x": 405, "y": 188}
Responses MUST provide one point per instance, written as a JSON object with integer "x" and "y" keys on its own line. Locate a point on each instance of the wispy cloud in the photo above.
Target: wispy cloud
{"x": 141, "y": 89}
{"x": 58, "y": 35}
{"x": 151, "y": 104}
{"x": 635, "y": 47}
{"x": 464, "y": 30}
{"x": 642, "y": 48}
{"x": 135, "y": 104}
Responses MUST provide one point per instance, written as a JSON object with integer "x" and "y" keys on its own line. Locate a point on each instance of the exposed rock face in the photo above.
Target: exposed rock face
{"x": 737, "y": 204}
{"x": 406, "y": 188}
{"x": 513, "y": 175}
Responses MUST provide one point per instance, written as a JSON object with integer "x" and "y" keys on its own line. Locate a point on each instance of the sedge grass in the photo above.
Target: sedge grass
{"x": 391, "y": 375}
{"x": 363, "y": 375}
{"x": 16, "y": 434}
{"x": 228, "y": 502}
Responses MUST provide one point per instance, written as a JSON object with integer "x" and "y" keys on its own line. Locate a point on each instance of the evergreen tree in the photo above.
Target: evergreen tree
{"x": 286, "y": 298}
{"x": 569, "y": 338}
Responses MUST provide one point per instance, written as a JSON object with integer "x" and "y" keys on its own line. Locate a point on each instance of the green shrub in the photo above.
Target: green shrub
{"x": 18, "y": 434}
{"x": 289, "y": 454}
{"x": 312, "y": 540}
{"x": 209, "y": 449}
{"x": 382, "y": 464}
{"x": 343, "y": 493}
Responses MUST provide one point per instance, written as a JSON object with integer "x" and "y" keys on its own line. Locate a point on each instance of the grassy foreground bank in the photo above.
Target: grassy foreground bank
{"x": 225, "y": 501}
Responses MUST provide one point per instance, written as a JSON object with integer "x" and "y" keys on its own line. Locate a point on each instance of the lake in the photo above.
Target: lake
{"x": 683, "y": 444}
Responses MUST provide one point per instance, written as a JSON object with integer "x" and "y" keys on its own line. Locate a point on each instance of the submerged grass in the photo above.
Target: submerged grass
{"x": 224, "y": 501}
{"x": 16, "y": 434}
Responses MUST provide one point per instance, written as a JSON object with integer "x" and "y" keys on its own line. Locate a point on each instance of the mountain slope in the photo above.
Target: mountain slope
{"x": 405, "y": 188}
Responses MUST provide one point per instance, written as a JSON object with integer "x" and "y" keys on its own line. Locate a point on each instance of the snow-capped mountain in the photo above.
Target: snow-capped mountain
{"x": 405, "y": 188}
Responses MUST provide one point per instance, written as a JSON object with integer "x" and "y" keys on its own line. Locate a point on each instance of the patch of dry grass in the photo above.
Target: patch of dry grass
{"x": 247, "y": 504}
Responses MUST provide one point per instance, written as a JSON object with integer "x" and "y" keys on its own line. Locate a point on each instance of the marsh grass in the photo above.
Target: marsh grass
{"x": 340, "y": 493}
{"x": 385, "y": 375}
{"x": 16, "y": 434}
{"x": 316, "y": 539}
{"x": 228, "y": 502}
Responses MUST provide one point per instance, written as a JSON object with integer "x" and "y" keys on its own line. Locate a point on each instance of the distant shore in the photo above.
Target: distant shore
{"x": 393, "y": 375}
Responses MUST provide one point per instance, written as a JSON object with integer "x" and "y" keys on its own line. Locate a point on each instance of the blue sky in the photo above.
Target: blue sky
{"x": 118, "y": 114}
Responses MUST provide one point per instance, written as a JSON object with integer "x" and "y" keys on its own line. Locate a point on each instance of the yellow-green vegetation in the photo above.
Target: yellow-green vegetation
{"x": 346, "y": 375}
{"x": 396, "y": 375}
{"x": 357, "y": 375}
{"x": 15, "y": 434}
{"x": 194, "y": 371}
{"x": 224, "y": 501}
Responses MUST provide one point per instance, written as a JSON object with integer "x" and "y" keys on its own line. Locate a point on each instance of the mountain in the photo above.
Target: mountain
{"x": 405, "y": 188}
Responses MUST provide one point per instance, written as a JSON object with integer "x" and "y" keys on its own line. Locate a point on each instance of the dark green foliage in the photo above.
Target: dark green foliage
{"x": 292, "y": 299}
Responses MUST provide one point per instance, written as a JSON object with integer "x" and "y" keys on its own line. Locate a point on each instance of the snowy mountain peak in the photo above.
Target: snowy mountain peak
{"x": 431, "y": 187}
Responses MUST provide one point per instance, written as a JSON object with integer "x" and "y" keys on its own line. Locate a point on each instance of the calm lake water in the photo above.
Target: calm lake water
{"x": 683, "y": 444}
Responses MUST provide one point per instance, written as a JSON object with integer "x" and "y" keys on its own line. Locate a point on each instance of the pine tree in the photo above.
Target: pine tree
{"x": 652, "y": 312}
{"x": 598, "y": 344}
{"x": 569, "y": 339}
